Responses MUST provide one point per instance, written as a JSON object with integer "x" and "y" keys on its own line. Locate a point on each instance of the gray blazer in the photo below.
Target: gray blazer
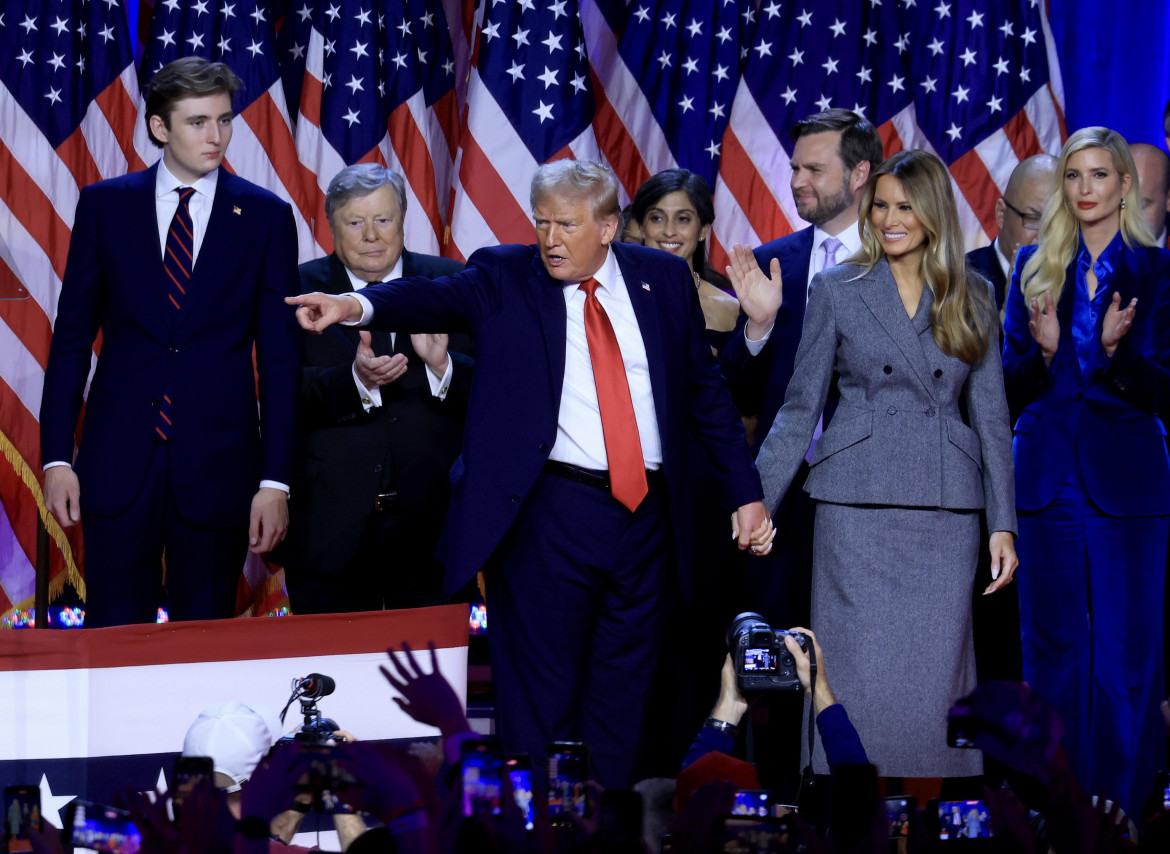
{"x": 897, "y": 436}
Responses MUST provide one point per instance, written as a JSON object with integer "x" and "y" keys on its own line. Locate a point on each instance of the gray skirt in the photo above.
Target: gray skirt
{"x": 891, "y": 608}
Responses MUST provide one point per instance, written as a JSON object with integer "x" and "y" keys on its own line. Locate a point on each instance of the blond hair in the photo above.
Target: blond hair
{"x": 1060, "y": 232}
{"x": 959, "y": 314}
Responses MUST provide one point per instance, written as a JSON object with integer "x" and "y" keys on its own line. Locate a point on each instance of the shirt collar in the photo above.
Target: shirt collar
{"x": 165, "y": 182}
{"x": 1107, "y": 261}
{"x": 1004, "y": 263}
{"x": 608, "y": 275}
{"x": 358, "y": 284}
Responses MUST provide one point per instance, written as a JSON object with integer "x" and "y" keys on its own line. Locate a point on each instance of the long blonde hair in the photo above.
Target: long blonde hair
{"x": 1059, "y": 229}
{"x": 959, "y": 314}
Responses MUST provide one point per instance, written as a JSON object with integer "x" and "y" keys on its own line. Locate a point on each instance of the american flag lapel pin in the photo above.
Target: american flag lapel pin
{"x": 645, "y": 286}
{"x": 236, "y": 210}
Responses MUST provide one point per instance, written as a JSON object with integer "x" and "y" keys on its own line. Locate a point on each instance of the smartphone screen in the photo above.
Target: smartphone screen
{"x": 745, "y": 833}
{"x": 189, "y": 772}
{"x": 753, "y": 802}
{"x": 482, "y": 777}
{"x": 519, "y": 769}
{"x": 898, "y": 811}
{"x": 22, "y": 809}
{"x": 963, "y": 820}
{"x": 568, "y": 769}
{"x": 1162, "y": 783}
{"x": 102, "y": 828}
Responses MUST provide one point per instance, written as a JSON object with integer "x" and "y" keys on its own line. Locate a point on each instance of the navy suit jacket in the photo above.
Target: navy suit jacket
{"x": 758, "y": 383}
{"x": 343, "y": 451}
{"x": 1109, "y": 424}
{"x": 201, "y": 356}
{"x": 985, "y": 261}
{"x": 516, "y": 312}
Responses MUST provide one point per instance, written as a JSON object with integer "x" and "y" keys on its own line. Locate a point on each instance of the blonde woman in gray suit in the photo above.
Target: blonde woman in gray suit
{"x": 918, "y": 445}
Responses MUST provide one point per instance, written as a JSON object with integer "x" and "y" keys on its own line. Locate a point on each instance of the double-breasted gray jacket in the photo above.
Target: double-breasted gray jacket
{"x": 914, "y": 427}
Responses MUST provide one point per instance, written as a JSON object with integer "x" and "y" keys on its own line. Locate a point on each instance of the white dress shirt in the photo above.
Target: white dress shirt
{"x": 372, "y": 397}
{"x": 850, "y": 244}
{"x": 580, "y": 440}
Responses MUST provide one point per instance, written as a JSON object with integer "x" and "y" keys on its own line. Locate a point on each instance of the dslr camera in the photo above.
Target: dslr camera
{"x": 762, "y": 662}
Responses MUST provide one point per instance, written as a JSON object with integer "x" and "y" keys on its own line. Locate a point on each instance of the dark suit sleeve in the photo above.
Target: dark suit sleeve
{"x": 329, "y": 396}
{"x": 79, "y": 312}
{"x": 1025, "y": 375}
{"x": 712, "y": 418}
{"x": 747, "y": 375}
{"x": 278, "y": 361}
{"x": 1139, "y": 375}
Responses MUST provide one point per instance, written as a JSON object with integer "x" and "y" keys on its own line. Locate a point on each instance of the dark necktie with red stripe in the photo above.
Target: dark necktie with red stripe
{"x": 623, "y": 446}
{"x": 178, "y": 261}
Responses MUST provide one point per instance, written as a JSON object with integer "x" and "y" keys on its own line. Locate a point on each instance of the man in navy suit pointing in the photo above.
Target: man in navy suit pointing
{"x": 183, "y": 268}
{"x": 592, "y": 367}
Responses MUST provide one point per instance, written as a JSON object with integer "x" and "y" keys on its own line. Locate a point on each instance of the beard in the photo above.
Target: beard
{"x": 824, "y": 208}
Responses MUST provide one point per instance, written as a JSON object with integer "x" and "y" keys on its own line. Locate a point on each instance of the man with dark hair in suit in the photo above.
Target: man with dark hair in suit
{"x": 832, "y": 157}
{"x": 183, "y": 267}
{"x": 1017, "y": 216}
{"x": 592, "y": 369}
{"x": 381, "y": 422}
{"x": 1153, "y": 168}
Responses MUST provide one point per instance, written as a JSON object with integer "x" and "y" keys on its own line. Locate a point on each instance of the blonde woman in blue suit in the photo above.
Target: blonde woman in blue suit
{"x": 1087, "y": 365}
{"x": 918, "y": 445}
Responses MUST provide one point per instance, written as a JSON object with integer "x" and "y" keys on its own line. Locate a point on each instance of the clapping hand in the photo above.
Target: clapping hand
{"x": 376, "y": 371}
{"x": 1044, "y": 326}
{"x": 1116, "y": 323}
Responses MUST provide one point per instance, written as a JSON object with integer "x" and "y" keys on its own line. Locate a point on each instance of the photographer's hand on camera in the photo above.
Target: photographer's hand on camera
{"x": 731, "y": 706}
{"x": 823, "y": 694}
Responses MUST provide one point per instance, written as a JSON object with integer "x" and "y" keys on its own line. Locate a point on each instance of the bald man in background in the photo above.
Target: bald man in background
{"x": 1153, "y": 169}
{"x": 1017, "y": 216}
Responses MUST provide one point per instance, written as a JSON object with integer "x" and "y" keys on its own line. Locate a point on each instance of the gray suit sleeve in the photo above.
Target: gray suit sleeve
{"x": 987, "y": 411}
{"x": 792, "y": 431}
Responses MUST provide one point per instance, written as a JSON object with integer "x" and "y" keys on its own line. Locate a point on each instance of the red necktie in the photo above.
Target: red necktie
{"x": 178, "y": 261}
{"x": 623, "y": 448}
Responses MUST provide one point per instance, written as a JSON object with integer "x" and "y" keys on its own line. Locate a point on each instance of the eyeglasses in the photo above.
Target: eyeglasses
{"x": 1030, "y": 221}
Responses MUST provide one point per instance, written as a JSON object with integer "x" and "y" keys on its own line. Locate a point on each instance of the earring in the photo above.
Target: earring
{"x": 1123, "y": 204}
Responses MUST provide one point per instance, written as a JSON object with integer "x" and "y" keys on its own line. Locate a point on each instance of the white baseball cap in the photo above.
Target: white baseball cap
{"x": 236, "y": 735}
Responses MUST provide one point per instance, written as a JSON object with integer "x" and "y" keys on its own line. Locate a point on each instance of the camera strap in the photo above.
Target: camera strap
{"x": 807, "y": 778}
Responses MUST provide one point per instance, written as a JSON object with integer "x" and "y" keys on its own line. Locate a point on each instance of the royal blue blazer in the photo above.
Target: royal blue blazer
{"x": 1110, "y": 424}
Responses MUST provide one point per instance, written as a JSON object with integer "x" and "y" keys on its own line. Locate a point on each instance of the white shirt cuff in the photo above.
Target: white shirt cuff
{"x": 367, "y": 311}
{"x": 275, "y": 484}
{"x": 754, "y": 347}
{"x": 441, "y": 385}
{"x": 53, "y": 465}
{"x": 370, "y": 397}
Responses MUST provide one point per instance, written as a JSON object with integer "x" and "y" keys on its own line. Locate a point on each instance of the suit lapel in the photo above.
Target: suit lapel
{"x": 644, "y": 301}
{"x": 144, "y": 243}
{"x": 220, "y": 247}
{"x": 881, "y": 296}
{"x": 549, "y": 297}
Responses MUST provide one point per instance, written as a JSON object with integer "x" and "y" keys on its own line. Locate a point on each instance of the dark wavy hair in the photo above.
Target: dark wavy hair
{"x": 189, "y": 77}
{"x": 699, "y": 193}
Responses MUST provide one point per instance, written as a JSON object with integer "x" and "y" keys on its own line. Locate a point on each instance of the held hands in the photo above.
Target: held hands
{"x": 1116, "y": 323}
{"x": 760, "y": 295}
{"x": 269, "y": 522}
{"x": 1003, "y": 560}
{"x": 752, "y": 528}
{"x": 316, "y": 312}
{"x": 376, "y": 371}
{"x": 62, "y": 495}
{"x": 1044, "y": 326}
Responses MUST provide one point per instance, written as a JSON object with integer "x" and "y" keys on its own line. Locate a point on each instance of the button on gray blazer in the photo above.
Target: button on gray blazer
{"x": 898, "y": 436}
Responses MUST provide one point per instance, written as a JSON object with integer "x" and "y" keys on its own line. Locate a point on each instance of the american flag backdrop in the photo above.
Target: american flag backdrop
{"x": 466, "y": 99}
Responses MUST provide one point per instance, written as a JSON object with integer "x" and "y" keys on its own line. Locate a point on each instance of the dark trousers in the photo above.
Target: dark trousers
{"x": 394, "y": 567}
{"x": 1091, "y": 589}
{"x": 124, "y": 557}
{"x": 574, "y": 602}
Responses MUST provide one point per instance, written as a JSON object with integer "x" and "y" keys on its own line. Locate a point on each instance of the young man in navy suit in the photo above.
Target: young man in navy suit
{"x": 570, "y": 492}
{"x": 833, "y": 153}
{"x": 183, "y": 268}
